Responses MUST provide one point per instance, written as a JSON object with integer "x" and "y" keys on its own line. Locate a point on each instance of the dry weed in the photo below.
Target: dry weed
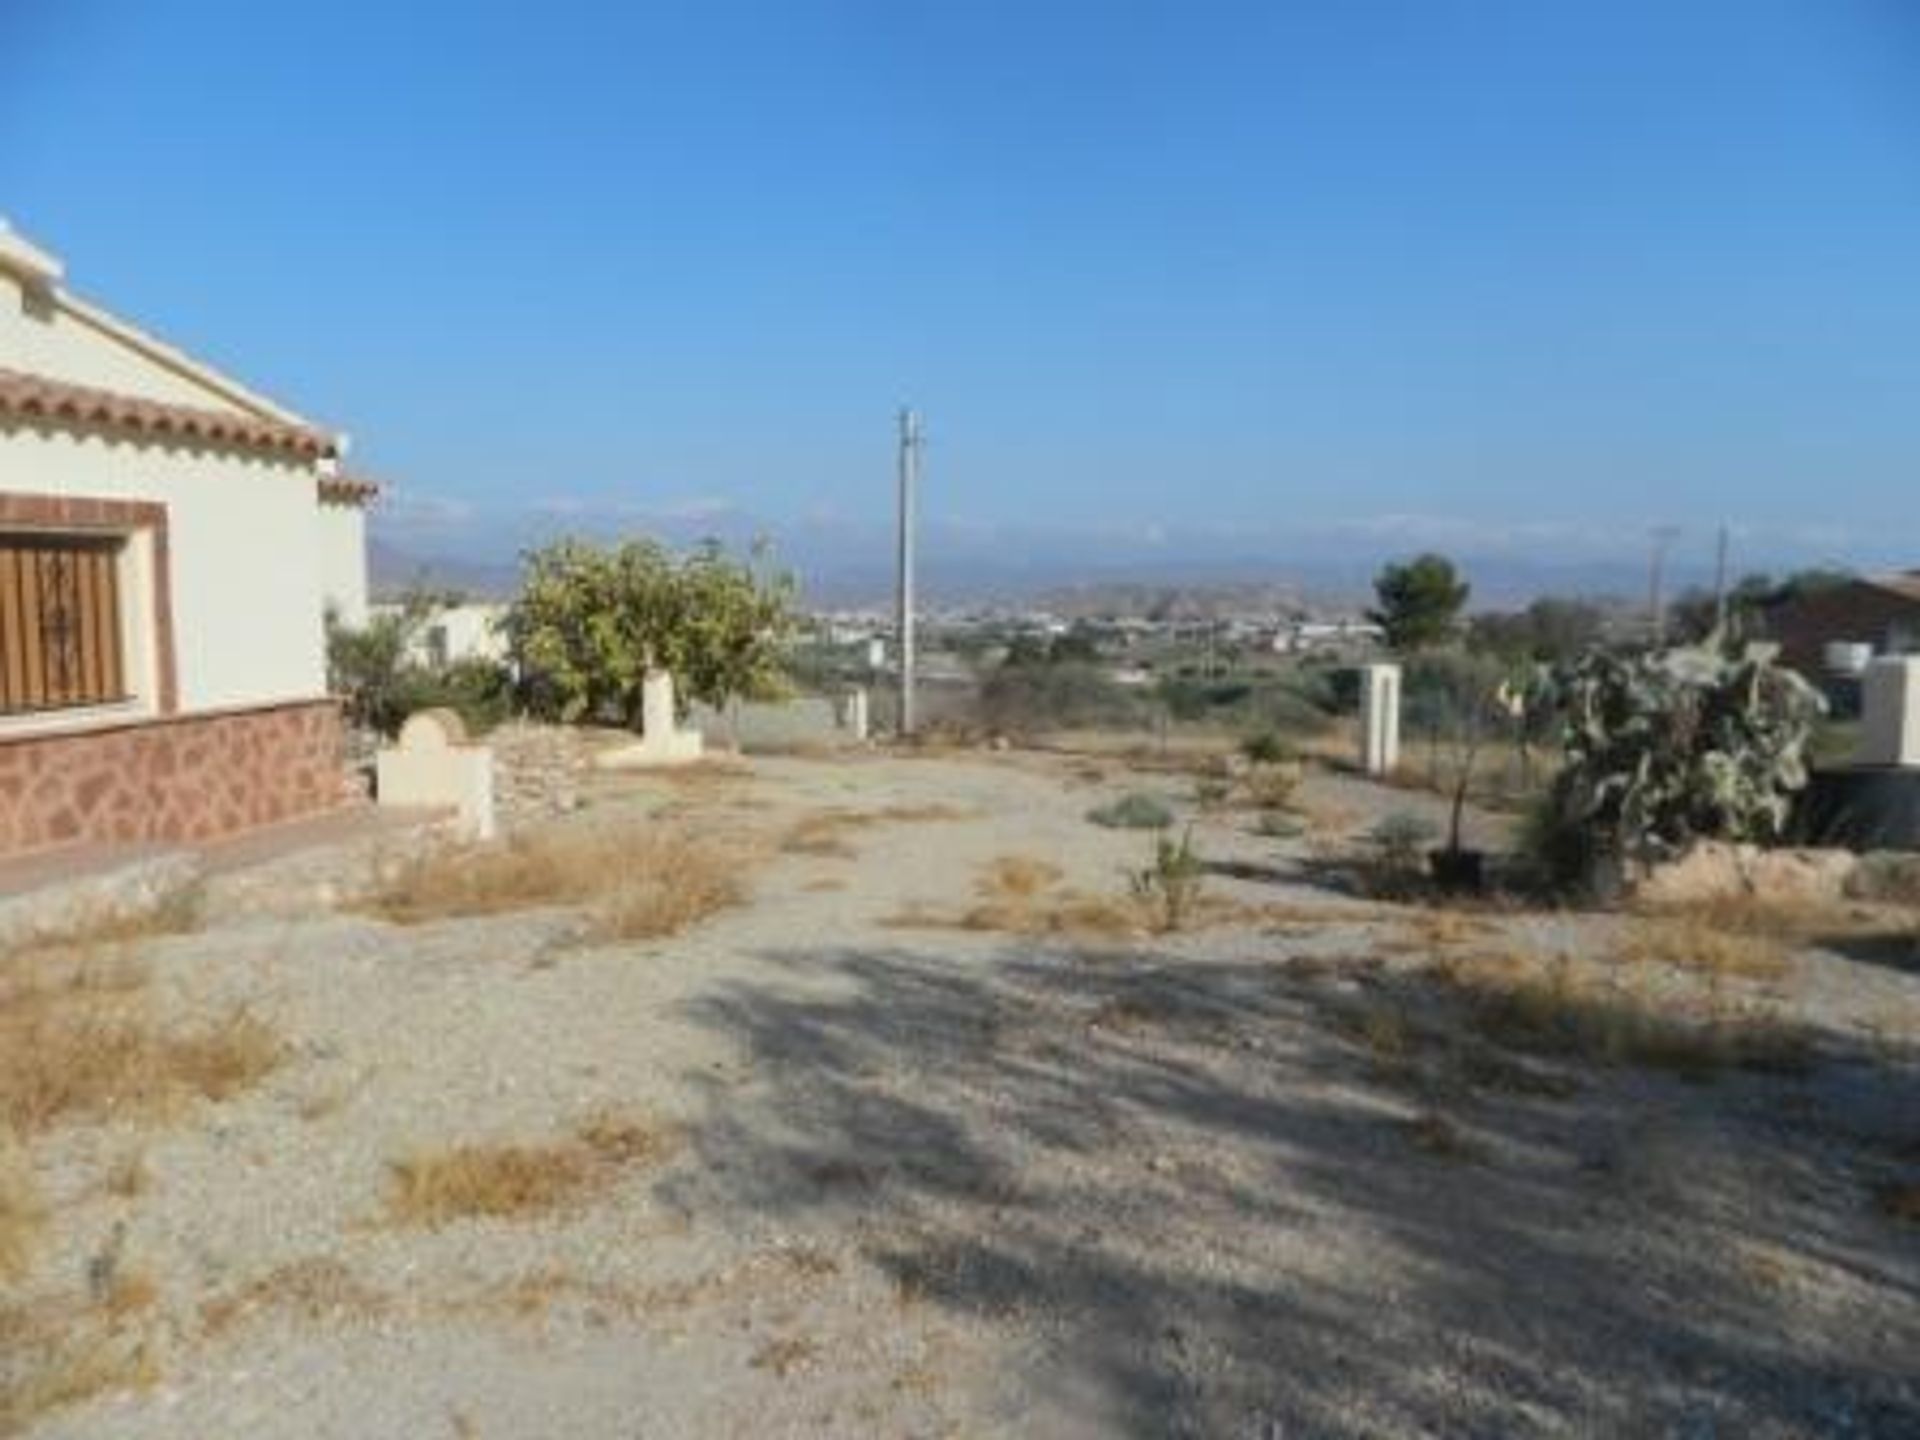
{"x": 1017, "y": 877}
{"x": 128, "y": 1176}
{"x": 58, "y": 1353}
{"x": 1695, "y": 941}
{"x": 1559, "y": 1006}
{"x": 315, "y": 1289}
{"x": 684, "y": 886}
{"x": 826, "y": 832}
{"x": 1387, "y": 1035}
{"x": 644, "y": 883}
{"x": 88, "y": 1044}
{"x": 435, "y": 1187}
{"x": 23, "y": 1214}
{"x": 785, "y": 1357}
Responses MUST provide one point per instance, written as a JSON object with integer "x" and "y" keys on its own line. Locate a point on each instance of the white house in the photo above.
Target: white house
{"x": 449, "y": 634}
{"x": 169, "y": 543}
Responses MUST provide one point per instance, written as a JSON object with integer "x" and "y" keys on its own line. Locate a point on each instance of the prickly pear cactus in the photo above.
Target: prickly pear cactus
{"x": 1666, "y": 747}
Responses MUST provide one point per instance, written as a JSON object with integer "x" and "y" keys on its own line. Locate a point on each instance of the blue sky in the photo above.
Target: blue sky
{"x": 1249, "y": 279}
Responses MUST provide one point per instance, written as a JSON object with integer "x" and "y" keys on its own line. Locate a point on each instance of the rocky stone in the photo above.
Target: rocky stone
{"x": 537, "y": 769}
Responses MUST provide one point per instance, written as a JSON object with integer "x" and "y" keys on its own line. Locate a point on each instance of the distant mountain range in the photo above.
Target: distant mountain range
{"x": 1076, "y": 580}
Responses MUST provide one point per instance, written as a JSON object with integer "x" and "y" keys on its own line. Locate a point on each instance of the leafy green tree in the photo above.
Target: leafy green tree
{"x": 1420, "y": 602}
{"x": 590, "y": 622}
{"x": 1550, "y": 631}
{"x": 366, "y": 667}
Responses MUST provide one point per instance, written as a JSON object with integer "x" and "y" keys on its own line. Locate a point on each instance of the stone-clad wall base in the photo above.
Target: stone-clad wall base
{"x": 182, "y": 778}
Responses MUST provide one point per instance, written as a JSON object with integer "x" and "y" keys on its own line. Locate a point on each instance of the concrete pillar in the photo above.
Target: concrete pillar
{"x": 855, "y": 721}
{"x": 1890, "y": 712}
{"x": 656, "y": 705}
{"x": 1379, "y": 718}
{"x": 662, "y": 741}
{"x": 433, "y": 765}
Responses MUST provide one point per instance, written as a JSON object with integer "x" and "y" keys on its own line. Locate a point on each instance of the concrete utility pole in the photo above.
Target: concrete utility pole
{"x": 1656, "y": 574}
{"x": 1720, "y": 585}
{"x": 910, "y": 442}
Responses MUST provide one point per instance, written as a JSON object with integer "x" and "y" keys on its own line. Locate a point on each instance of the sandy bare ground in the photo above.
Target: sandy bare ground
{"x": 926, "y": 1180}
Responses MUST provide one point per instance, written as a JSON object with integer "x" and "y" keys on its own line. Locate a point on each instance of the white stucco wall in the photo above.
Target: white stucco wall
{"x": 244, "y": 555}
{"x": 47, "y": 338}
{"x": 254, "y": 555}
{"x": 342, "y": 542}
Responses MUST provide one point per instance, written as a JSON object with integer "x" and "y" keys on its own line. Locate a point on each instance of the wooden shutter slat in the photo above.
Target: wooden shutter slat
{"x": 12, "y": 676}
{"x": 60, "y": 633}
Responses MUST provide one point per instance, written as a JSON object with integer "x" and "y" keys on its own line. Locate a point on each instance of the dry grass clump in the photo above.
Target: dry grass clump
{"x": 78, "y": 1037}
{"x": 510, "y": 1181}
{"x": 1690, "y": 941}
{"x": 684, "y": 887}
{"x": 1556, "y": 1006}
{"x": 315, "y": 1289}
{"x": 23, "y": 1214}
{"x": 825, "y": 832}
{"x": 644, "y": 883}
{"x": 179, "y": 911}
{"x": 786, "y": 1356}
{"x": 53, "y": 1357}
{"x": 1021, "y": 895}
{"x": 1017, "y": 877}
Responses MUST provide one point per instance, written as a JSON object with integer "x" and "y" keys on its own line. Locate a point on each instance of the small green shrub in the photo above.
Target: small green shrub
{"x": 1170, "y": 885}
{"x": 1134, "y": 811}
{"x": 1269, "y": 748}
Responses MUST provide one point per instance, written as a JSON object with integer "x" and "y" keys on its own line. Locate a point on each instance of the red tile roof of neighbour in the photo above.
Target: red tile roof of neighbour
{"x": 348, "y": 489}
{"x": 40, "y": 398}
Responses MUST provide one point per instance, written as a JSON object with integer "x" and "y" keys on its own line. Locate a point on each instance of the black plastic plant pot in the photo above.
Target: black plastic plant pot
{"x": 1459, "y": 872}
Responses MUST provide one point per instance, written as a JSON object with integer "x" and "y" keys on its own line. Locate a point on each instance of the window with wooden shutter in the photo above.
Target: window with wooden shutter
{"x": 60, "y": 644}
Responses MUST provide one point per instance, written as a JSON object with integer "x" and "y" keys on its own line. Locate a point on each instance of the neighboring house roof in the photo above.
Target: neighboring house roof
{"x": 1905, "y": 584}
{"x": 36, "y": 397}
{"x": 347, "y": 489}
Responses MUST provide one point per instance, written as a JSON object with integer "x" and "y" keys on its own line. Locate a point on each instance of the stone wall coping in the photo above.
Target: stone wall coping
{"x": 108, "y": 724}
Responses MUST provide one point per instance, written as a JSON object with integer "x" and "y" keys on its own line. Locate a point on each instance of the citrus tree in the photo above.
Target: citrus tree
{"x": 591, "y": 620}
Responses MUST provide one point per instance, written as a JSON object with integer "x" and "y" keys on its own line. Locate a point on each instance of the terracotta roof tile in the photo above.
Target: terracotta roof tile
{"x": 348, "y": 489}
{"x": 37, "y": 397}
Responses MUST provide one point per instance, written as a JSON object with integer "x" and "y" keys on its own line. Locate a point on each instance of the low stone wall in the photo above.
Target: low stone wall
{"x": 181, "y": 778}
{"x": 537, "y": 769}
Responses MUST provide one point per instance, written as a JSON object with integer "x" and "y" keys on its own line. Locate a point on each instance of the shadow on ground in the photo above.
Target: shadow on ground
{"x": 1205, "y": 1200}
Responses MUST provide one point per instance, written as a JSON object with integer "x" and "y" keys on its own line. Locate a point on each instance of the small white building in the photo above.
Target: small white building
{"x": 170, "y": 541}
{"x": 448, "y": 634}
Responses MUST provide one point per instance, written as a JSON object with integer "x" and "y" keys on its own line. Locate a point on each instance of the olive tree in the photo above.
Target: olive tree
{"x": 591, "y": 620}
